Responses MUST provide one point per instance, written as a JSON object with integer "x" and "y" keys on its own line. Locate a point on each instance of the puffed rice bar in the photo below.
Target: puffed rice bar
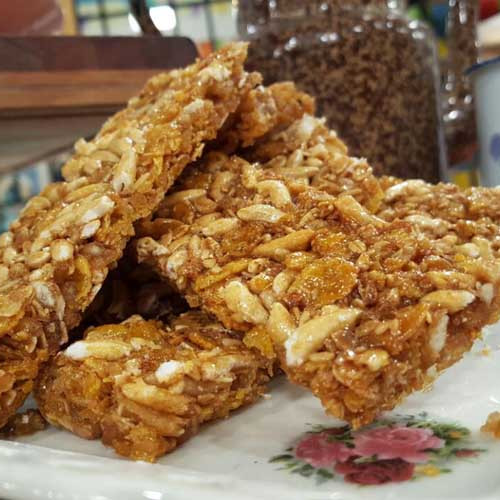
{"x": 132, "y": 289}
{"x": 360, "y": 310}
{"x": 476, "y": 207}
{"x": 473, "y": 211}
{"x": 144, "y": 387}
{"x": 263, "y": 113}
{"x": 439, "y": 210}
{"x": 57, "y": 254}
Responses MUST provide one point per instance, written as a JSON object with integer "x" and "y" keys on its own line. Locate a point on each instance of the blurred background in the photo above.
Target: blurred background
{"x": 209, "y": 23}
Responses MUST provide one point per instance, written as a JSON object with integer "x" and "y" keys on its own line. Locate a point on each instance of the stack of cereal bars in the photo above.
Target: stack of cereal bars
{"x": 214, "y": 233}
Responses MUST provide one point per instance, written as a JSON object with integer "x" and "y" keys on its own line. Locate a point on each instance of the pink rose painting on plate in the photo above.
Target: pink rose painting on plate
{"x": 378, "y": 472}
{"x": 407, "y": 443}
{"x": 319, "y": 451}
{"x": 388, "y": 451}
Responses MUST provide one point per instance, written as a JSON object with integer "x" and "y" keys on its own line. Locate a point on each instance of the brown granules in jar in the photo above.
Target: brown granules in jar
{"x": 373, "y": 77}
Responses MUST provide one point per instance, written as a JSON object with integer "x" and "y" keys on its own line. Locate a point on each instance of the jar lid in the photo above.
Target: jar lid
{"x": 483, "y": 64}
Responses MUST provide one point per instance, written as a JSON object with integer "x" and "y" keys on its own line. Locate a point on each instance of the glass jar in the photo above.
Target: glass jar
{"x": 458, "y": 102}
{"x": 373, "y": 71}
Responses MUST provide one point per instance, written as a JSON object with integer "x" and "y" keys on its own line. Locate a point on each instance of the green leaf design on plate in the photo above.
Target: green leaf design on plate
{"x": 281, "y": 458}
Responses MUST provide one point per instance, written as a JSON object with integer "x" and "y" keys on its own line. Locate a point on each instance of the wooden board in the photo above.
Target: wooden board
{"x": 56, "y": 89}
{"x": 67, "y": 92}
{"x": 72, "y": 53}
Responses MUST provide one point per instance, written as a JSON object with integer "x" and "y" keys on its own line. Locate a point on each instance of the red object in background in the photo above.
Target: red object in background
{"x": 204, "y": 48}
{"x": 489, "y": 8}
{"x": 30, "y": 17}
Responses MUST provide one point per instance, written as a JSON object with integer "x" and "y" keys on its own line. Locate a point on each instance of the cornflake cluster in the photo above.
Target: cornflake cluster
{"x": 361, "y": 289}
{"x": 363, "y": 296}
{"x": 57, "y": 254}
{"x": 149, "y": 386}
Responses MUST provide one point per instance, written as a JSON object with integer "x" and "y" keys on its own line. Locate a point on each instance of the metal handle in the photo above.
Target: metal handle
{"x": 140, "y": 11}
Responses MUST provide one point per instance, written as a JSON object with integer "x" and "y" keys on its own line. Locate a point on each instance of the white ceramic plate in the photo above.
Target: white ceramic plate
{"x": 230, "y": 460}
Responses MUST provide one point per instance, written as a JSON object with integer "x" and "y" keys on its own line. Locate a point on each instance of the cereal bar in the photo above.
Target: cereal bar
{"x": 263, "y": 112}
{"x": 145, "y": 387}
{"x": 143, "y": 148}
{"x": 390, "y": 198}
{"x": 307, "y": 151}
{"x": 448, "y": 202}
{"x": 56, "y": 255}
{"x": 361, "y": 310}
